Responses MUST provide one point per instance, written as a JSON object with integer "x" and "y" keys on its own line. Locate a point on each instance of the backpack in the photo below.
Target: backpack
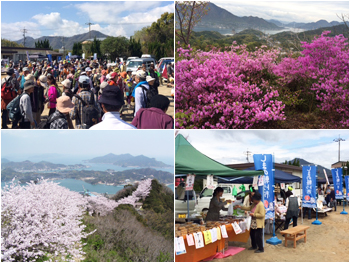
{"x": 45, "y": 124}
{"x": 8, "y": 91}
{"x": 15, "y": 113}
{"x": 90, "y": 113}
{"x": 148, "y": 95}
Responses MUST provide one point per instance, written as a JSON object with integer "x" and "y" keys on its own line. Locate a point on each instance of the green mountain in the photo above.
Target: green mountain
{"x": 31, "y": 166}
{"x": 219, "y": 18}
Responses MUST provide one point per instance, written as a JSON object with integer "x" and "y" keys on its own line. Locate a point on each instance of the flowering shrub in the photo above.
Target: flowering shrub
{"x": 226, "y": 89}
{"x": 324, "y": 65}
{"x": 241, "y": 89}
{"x": 40, "y": 221}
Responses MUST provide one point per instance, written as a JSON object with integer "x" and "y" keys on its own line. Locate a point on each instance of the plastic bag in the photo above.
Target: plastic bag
{"x": 230, "y": 209}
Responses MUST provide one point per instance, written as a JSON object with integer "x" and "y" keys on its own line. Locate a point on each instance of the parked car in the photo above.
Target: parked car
{"x": 130, "y": 58}
{"x": 181, "y": 202}
{"x": 206, "y": 195}
{"x": 163, "y": 62}
{"x": 134, "y": 64}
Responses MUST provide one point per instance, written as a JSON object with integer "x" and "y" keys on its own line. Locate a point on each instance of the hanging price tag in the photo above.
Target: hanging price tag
{"x": 255, "y": 181}
{"x": 261, "y": 181}
{"x": 180, "y": 246}
{"x": 214, "y": 235}
{"x": 223, "y": 231}
{"x": 190, "y": 241}
{"x": 210, "y": 181}
{"x": 198, "y": 239}
{"x": 236, "y": 228}
{"x": 218, "y": 233}
{"x": 207, "y": 237}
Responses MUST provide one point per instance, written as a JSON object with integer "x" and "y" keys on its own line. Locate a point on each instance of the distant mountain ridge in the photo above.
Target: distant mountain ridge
{"x": 57, "y": 42}
{"x": 319, "y": 167}
{"x": 128, "y": 160}
{"x": 219, "y": 17}
{"x": 28, "y": 165}
{"x": 307, "y": 26}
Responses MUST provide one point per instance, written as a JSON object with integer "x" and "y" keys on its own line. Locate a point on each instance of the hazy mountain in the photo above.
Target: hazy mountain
{"x": 4, "y": 160}
{"x": 109, "y": 158}
{"x": 218, "y": 17}
{"x": 313, "y": 25}
{"x": 56, "y": 42}
{"x": 28, "y": 165}
{"x": 127, "y": 160}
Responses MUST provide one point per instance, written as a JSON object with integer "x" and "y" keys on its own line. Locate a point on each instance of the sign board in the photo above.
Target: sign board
{"x": 210, "y": 181}
{"x": 190, "y": 182}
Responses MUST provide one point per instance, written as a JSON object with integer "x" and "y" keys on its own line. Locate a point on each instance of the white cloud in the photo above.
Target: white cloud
{"x": 12, "y": 31}
{"x": 229, "y": 146}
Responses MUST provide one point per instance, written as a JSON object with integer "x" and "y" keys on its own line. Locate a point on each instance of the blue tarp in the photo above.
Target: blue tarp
{"x": 280, "y": 177}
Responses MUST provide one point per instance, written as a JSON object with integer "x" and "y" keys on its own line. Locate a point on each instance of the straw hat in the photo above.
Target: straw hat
{"x": 64, "y": 104}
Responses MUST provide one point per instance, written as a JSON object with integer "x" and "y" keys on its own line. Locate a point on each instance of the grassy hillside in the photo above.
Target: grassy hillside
{"x": 129, "y": 234}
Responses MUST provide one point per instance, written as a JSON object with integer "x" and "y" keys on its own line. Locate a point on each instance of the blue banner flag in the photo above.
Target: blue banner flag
{"x": 346, "y": 178}
{"x": 49, "y": 56}
{"x": 337, "y": 175}
{"x": 67, "y": 57}
{"x": 309, "y": 186}
{"x": 59, "y": 58}
{"x": 264, "y": 162}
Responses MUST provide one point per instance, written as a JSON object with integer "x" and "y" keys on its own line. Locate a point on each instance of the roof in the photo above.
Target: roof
{"x": 188, "y": 160}
{"x": 243, "y": 166}
{"x": 23, "y": 48}
{"x": 280, "y": 177}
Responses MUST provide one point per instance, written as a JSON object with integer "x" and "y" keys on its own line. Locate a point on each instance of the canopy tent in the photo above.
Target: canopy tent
{"x": 280, "y": 177}
{"x": 188, "y": 160}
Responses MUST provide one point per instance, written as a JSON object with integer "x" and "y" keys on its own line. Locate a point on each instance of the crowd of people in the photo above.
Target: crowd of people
{"x": 93, "y": 96}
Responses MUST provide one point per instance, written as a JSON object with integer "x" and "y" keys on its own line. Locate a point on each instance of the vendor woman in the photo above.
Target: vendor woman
{"x": 216, "y": 205}
{"x": 257, "y": 212}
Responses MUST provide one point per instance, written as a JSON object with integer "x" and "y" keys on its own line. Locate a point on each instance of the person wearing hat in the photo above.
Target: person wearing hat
{"x": 60, "y": 118}
{"x": 140, "y": 91}
{"x": 11, "y": 80}
{"x": 26, "y": 106}
{"x": 88, "y": 71}
{"x": 21, "y": 78}
{"x": 111, "y": 100}
{"x": 15, "y": 68}
{"x": 292, "y": 204}
{"x": 154, "y": 117}
{"x": 67, "y": 91}
{"x": 84, "y": 93}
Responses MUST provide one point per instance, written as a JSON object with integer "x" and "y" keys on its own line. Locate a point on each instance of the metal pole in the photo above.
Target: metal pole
{"x": 302, "y": 216}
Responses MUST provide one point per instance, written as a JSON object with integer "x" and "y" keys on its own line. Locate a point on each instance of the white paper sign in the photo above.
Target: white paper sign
{"x": 190, "y": 241}
{"x": 261, "y": 181}
{"x": 218, "y": 232}
{"x": 248, "y": 222}
{"x": 189, "y": 182}
{"x": 236, "y": 228}
{"x": 210, "y": 181}
{"x": 214, "y": 235}
{"x": 198, "y": 239}
{"x": 283, "y": 186}
{"x": 255, "y": 181}
{"x": 180, "y": 246}
{"x": 223, "y": 231}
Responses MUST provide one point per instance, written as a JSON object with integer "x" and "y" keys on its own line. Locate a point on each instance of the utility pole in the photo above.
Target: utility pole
{"x": 89, "y": 28}
{"x": 248, "y": 153}
{"x": 338, "y": 140}
{"x": 24, "y": 31}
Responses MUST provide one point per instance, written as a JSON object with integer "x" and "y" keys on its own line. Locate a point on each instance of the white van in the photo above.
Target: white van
{"x": 134, "y": 64}
{"x": 206, "y": 195}
{"x": 181, "y": 202}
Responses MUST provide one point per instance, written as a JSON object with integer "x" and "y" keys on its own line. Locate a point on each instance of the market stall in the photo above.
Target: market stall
{"x": 189, "y": 160}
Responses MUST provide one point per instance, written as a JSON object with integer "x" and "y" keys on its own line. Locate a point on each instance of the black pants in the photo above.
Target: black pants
{"x": 295, "y": 221}
{"x": 4, "y": 118}
{"x": 308, "y": 211}
{"x": 256, "y": 235}
{"x": 24, "y": 125}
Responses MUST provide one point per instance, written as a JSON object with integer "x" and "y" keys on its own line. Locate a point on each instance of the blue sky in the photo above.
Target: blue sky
{"x": 80, "y": 144}
{"x": 289, "y": 11}
{"x": 228, "y": 146}
{"x": 54, "y": 18}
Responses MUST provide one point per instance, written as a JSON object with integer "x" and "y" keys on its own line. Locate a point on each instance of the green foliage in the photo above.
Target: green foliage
{"x": 164, "y": 257}
{"x": 9, "y": 43}
{"x": 159, "y": 199}
{"x": 95, "y": 47}
{"x": 43, "y": 44}
{"x": 113, "y": 47}
{"x": 135, "y": 47}
{"x": 128, "y": 189}
{"x": 77, "y": 49}
{"x": 158, "y": 39}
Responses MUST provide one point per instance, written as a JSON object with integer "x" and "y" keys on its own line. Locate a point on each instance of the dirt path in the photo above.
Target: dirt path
{"x": 328, "y": 242}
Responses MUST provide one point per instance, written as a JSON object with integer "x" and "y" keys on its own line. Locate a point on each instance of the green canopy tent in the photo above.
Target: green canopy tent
{"x": 188, "y": 160}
